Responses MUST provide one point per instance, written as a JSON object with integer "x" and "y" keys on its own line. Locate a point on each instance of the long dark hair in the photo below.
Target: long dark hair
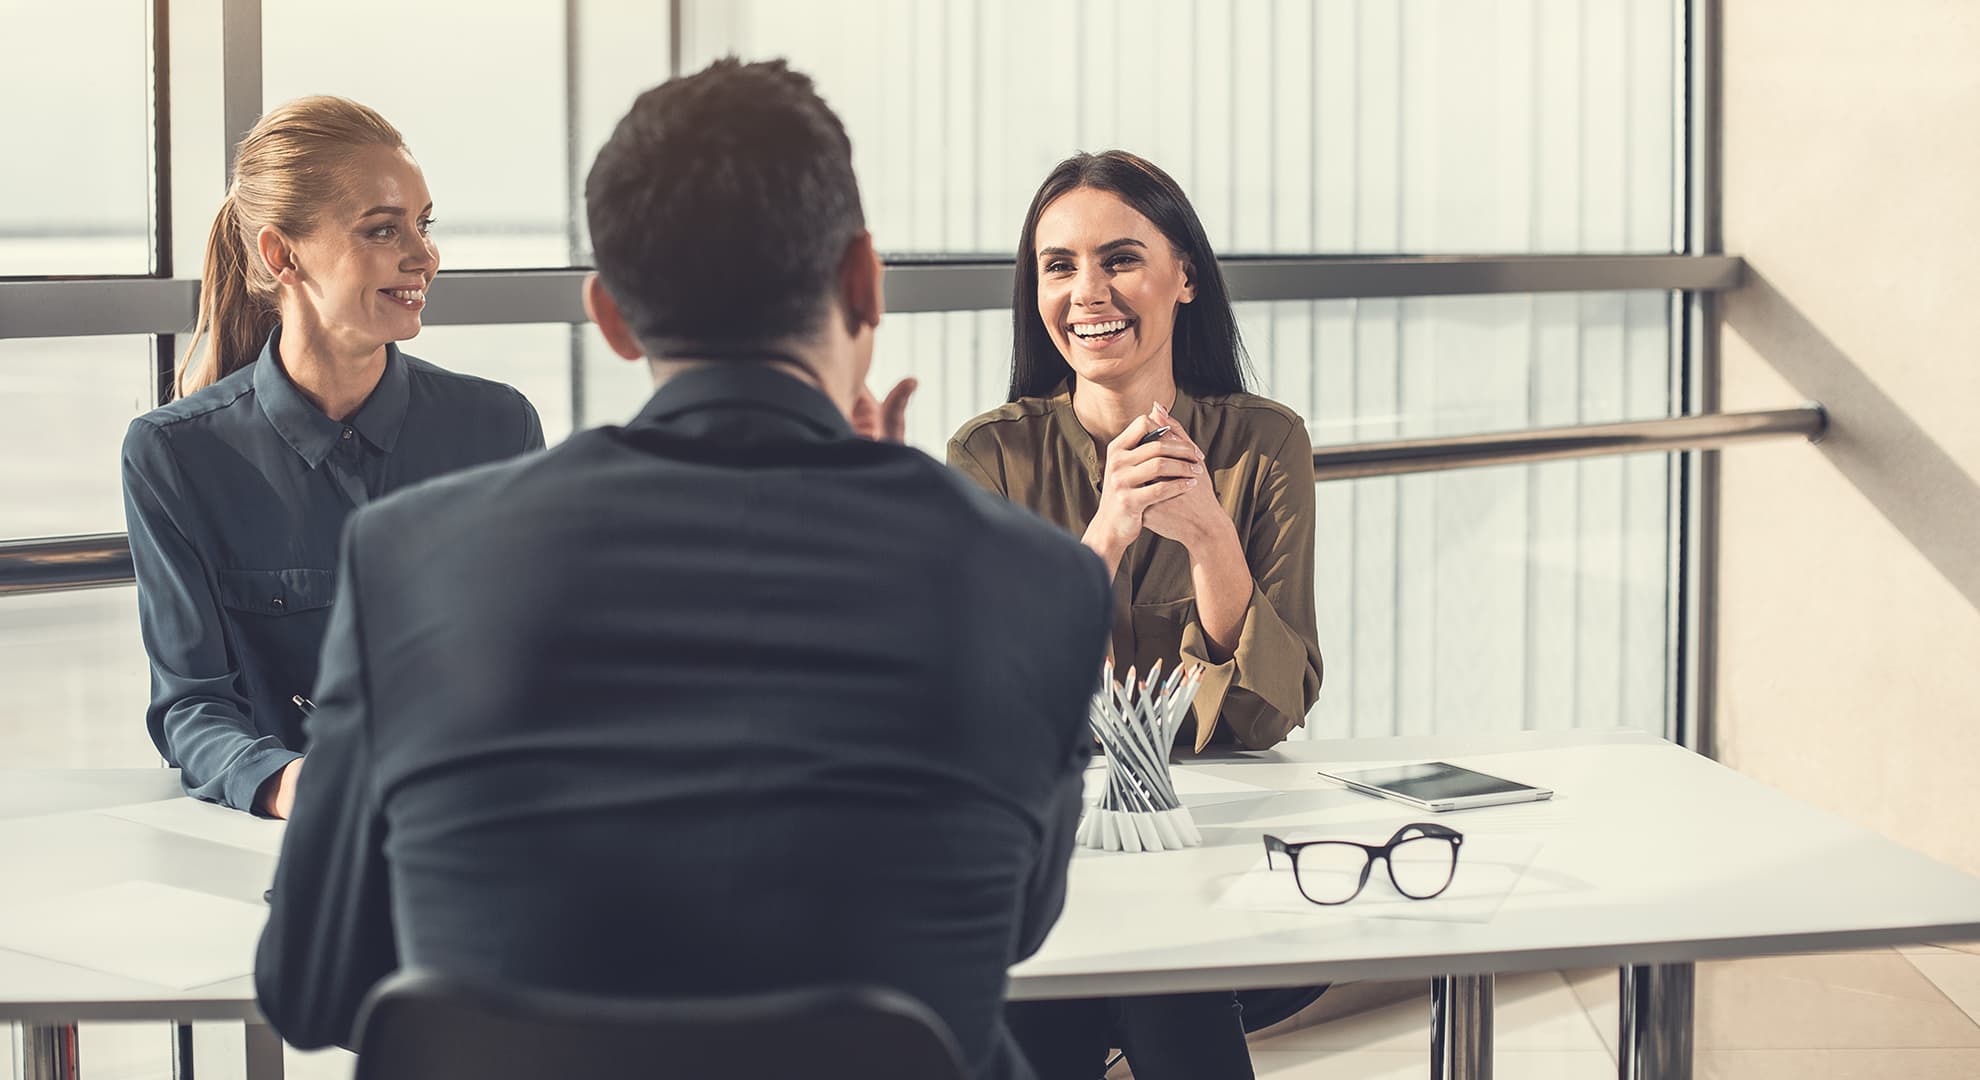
{"x": 1207, "y": 351}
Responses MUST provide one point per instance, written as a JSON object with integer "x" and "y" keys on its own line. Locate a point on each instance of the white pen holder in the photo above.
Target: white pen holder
{"x": 1132, "y": 830}
{"x": 1136, "y": 724}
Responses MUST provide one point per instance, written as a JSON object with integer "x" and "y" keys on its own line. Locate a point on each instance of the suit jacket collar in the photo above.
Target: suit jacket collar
{"x": 806, "y": 411}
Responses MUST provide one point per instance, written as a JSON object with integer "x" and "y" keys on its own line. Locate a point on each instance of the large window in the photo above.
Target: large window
{"x": 1339, "y": 126}
{"x": 75, "y": 193}
{"x": 1533, "y": 596}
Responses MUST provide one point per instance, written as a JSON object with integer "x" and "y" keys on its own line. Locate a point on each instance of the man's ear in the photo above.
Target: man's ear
{"x": 860, "y": 289}
{"x": 277, "y": 254}
{"x": 611, "y": 321}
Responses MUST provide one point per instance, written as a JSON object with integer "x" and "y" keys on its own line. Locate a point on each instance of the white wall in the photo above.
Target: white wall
{"x": 1850, "y": 606}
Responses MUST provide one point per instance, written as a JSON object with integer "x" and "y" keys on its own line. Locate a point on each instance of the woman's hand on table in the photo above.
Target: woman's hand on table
{"x": 278, "y": 793}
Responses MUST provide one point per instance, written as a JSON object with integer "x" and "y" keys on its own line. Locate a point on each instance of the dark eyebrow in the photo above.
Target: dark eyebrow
{"x": 1111, "y": 245}
{"x": 395, "y": 211}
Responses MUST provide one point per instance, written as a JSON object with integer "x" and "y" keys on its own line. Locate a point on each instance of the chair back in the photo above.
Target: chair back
{"x": 424, "y": 1026}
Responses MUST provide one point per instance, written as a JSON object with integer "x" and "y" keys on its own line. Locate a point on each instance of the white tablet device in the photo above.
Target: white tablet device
{"x": 1437, "y": 785}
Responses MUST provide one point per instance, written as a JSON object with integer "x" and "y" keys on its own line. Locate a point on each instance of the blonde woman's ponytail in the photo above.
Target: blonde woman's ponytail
{"x": 233, "y": 321}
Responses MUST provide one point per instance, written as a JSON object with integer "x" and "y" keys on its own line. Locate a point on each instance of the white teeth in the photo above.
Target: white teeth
{"x": 1100, "y": 329}
{"x": 407, "y": 294}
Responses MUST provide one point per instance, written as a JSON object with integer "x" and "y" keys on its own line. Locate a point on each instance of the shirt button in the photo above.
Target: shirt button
{"x": 278, "y": 602}
{"x": 347, "y": 433}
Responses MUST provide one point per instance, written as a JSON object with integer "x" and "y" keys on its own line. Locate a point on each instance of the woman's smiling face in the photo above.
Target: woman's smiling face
{"x": 369, "y": 260}
{"x": 1108, "y": 285}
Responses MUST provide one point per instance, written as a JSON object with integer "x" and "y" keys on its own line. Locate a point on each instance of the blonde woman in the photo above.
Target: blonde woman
{"x": 293, "y": 406}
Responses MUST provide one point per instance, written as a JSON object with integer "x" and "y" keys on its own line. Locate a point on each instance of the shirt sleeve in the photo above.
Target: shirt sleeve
{"x": 965, "y": 462}
{"x": 329, "y": 936}
{"x": 198, "y": 717}
{"x": 1273, "y": 675}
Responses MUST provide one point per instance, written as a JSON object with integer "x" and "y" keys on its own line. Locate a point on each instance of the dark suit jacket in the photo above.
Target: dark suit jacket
{"x": 725, "y": 700}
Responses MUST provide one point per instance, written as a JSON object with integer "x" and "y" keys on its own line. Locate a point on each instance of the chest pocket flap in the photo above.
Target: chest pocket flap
{"x": 277, "y": 592}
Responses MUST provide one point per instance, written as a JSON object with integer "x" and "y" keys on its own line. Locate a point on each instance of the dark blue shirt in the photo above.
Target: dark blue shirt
{"x": 235, "y": 497}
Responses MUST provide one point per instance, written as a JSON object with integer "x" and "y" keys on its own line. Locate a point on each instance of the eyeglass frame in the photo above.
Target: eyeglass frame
{"x": 1424, "y": 830}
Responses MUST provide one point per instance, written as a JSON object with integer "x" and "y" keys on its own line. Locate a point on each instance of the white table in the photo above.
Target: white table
{"x": 1652, "y": 859}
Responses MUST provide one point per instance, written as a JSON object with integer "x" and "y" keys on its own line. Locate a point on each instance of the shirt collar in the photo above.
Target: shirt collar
{"x": 745, "y": 382}
{"x": 1070, "y": 429}
{"x": 303, "y": 426}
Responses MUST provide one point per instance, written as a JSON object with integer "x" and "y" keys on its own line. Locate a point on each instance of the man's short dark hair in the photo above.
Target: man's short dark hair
{"x": 721, "y": 207}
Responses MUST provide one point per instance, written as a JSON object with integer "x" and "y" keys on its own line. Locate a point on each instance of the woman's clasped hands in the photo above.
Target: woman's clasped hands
{"x": 1162, "y": 486}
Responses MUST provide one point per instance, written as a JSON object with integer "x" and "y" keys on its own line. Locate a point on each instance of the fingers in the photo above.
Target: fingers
{"x": 893, "y": 411}
{"x": 1141, "y": 498}
{"x": 1157, "y": 469}
{"x": 1160, "y": 414}
{"x": 865, "y": 416}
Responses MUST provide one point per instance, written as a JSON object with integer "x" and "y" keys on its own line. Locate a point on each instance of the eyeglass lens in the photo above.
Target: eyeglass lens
{"x": 1420, "y": 867}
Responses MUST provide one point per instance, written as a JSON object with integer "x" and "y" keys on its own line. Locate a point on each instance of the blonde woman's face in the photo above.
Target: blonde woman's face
{"x": 364, "y": 271}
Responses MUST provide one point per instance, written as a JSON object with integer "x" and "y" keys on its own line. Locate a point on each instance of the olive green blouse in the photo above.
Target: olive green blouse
{"x": 1034, "y": 452}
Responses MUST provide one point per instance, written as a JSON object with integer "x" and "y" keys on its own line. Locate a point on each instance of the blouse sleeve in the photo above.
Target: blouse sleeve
{"x": 198, "y": 716}
{"x": 961, "y": 459}
{"x": 1273, "y": 675}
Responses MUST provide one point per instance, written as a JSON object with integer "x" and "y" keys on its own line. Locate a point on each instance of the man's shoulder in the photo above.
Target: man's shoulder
{"x": 468, "y": 498}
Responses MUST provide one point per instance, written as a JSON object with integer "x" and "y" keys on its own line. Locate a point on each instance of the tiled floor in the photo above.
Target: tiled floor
{"x": 1912, "y": 1013}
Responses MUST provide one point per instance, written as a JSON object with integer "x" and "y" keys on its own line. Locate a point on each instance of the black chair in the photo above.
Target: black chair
{"x": 423, "y": 1026}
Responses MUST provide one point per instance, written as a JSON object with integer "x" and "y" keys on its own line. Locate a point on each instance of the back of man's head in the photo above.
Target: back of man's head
{"x": 721, "y": 208}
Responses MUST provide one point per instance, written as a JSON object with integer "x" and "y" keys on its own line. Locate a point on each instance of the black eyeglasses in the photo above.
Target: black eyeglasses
{"x": 1422, "y": 860}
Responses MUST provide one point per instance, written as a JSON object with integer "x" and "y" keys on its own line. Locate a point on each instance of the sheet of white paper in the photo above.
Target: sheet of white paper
{"x": 140, "y": 930}
{"x": 1487, "y": 872}
{"x": 206, "y": 821}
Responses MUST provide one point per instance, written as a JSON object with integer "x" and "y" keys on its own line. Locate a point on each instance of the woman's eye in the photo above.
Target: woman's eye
{"x": 1058, "y": 266}
{"x": 1120, "y": 261}
{"x": 425, "y": 226}
{"x": 385, "y": 232}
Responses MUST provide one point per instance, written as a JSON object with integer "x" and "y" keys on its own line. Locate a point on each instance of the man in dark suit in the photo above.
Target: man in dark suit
{"x": 728, "y": 699}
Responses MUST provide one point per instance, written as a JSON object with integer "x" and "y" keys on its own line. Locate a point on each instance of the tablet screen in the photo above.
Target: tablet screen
{"x": 1433, "y": 781}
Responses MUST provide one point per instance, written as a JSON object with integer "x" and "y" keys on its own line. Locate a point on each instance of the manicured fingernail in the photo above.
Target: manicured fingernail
{"x": 1196, "y": 468}
{"x": 1191, "y": 482}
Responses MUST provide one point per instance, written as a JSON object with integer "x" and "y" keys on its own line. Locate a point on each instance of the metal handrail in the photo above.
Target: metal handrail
{"x": 81, "y": 562}
{"x": 1553, "y": 444}
{"x": 64, "y": 562}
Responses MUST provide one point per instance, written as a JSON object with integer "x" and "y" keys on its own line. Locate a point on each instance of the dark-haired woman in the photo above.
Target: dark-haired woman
{"x": 294, "y": 406}
{"x": 1122, "y": 327}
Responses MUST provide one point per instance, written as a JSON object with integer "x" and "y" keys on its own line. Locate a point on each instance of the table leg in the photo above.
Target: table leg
{"x": 182, "y": 1052}
{"x": 1461, "y": 1027}
{"x": 45, "y": 1052}
{"x": 1655, "y": 1042}
{"x": 264, "y": 1052}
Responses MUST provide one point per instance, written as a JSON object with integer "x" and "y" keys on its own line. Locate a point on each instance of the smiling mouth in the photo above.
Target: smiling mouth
{"x": 1100, "y": 333}
{"x": 413, "y": 299}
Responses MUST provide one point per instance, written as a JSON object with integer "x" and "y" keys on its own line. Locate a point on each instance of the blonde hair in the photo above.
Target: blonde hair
{"x": 288, "y": 167}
